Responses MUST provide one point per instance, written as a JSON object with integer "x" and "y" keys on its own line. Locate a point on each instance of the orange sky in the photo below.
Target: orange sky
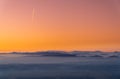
{"x": 32, "y": 25}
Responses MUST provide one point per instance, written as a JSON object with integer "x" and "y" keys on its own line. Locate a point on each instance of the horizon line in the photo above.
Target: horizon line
{"x": 59, "y": 51}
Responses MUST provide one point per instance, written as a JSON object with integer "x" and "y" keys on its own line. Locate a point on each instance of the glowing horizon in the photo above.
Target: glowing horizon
{"x": 33, "y": 25}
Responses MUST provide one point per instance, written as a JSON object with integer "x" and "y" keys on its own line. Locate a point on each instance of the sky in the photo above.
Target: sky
{"x": 34, "y": 25}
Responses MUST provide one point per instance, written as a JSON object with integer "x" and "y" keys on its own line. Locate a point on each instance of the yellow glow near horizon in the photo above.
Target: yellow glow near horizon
{"x": 33, "y": 25}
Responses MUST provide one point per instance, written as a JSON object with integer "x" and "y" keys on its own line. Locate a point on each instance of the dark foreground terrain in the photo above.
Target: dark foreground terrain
{"x": 15, "y": 67}
{"x": 60, "y": 71}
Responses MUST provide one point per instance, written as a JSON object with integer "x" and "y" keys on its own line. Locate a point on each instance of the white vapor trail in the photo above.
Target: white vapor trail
{"x": 33, "y": 14}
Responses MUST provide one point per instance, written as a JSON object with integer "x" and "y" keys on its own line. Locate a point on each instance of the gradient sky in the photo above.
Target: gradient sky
{"x": 32, "y": 25}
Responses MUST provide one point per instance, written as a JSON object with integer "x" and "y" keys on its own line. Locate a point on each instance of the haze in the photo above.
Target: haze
{"x": 32, "y": 25}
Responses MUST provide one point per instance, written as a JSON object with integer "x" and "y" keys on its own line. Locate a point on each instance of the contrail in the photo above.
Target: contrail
{"x": 33, "y": 15}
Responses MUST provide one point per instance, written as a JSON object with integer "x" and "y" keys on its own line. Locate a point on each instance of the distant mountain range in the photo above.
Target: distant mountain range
{"x": 71, "y": 54}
